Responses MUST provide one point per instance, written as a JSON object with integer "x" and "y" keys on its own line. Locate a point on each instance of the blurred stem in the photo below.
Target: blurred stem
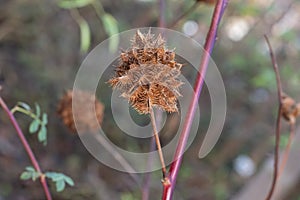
{"x": 123, "y": 162}
{"x": 161, "y": 157}
{"x": 183, "y": 15}
{"x": 209, "y": 44}
{"x": 98, "y": 8}
{"x": 162, "y": 10}
{"x": 27, "y": 148}
{"x": 85, "y": 35}
{"x": 147, "y": 176}
{"x": 278, "y": 121}
{"x": 26, "y": 112}
{"x": 287, "y": 148}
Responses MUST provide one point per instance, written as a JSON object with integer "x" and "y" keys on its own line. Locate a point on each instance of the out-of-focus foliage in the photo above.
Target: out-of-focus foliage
{"x": 110, "y": 24}
{"x": 39, "y": 123}
{"x": 60, "y": 179}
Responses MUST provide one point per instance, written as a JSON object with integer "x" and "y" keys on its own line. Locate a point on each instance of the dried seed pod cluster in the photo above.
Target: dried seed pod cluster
{"x": 290, "y": 110}
{"x": 148, "y": 75}
{"x": 85, "y": 122}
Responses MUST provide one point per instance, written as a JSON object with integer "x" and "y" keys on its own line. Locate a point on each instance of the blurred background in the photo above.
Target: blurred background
{"x": 42, "y": 44}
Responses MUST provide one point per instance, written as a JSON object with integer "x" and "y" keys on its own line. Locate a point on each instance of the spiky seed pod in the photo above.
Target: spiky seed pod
{"x": 85, "y": 122}
{"x": 148, "y": 74}
{"x": 290, "y": 110}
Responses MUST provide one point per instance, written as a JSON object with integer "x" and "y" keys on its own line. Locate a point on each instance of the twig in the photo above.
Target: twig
{"x": 209, "y": 44}
{"x": 123, "y": 162}
{"x": 183, "y": 15}
{"x": 162, "y": 19}
{"x": 161, "y": 157}
{"x": 287, "y": 148}
{"x": 27, "y": 148}
{"x": 278, "y": 121}
{"x": 147, "y": 176}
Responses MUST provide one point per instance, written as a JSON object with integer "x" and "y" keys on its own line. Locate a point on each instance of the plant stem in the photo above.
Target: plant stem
{"x": 27, "y": 148}
{"x": 161, "y": 157}
{"x": 287, "y": 148}
{"x": 162, "y": 20}
{"x": 278, "y": 121}
{"x": 26, "y": 112}
{"x": 123, "y": 162}
{"x": 183, "y": 15}
{"x": 209, "y": 44}
{"x": 147, "y": 176}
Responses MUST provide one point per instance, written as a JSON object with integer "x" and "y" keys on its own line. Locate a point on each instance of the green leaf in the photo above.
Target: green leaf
{"x": 69, "y": 4}
{"x": 54, "y": 176}
{"x": 110, "y": 25}
{"x": 35, "y": 175}
{"x": 37, "y": 110}
{"x": 45, "y": 118}
{"x": 30, "y": 169}
{"x": 68, "y": 180}
{"x": 60, "y": 180}
{"x": 24, "y": 105}
{"x": 34, "y": 126}
{"x": 85, "y": 35}
{"x": 25, "y": 175}
{"x": 60, "y": 185}
{"x": 50, "y": 175}
{"x": 42, "y": 135}
{"x": 30, "y": 173}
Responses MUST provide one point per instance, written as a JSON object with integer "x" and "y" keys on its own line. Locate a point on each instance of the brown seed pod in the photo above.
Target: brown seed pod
{"x": 290, "y": 110}
{"x": 85, "y": 122}
{"x": 148, "y": 75}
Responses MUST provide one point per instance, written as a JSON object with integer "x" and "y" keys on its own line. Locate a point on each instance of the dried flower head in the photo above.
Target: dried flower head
{"x": 85, "y": 121}
{"x": 290, "y": 110}
{"x": 148, "y": 75}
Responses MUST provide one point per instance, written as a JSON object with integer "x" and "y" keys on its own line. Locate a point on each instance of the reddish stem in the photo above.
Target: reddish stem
{"x": 27, "y": 147}
{"x": 287, "y": 149}
{"x": 209, "y": 44}
{"x": 278, "y": 121}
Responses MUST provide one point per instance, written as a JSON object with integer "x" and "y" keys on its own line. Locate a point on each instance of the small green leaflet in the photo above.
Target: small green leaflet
{"x": 30, "y": 173}
{"x": 24, "y": 105}
{"x": 39, "y": 125}
{"x": 69, "y": 4}
{"x": 60, "y": 180}
{"x": 37, "y": 110}
{"x": 85, "y": 35}
{"x": 111, "y": 28}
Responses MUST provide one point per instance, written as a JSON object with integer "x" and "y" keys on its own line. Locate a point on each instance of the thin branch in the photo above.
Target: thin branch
{"x": 147, "y": 176}
{"x": 161, "y": 157}
{"x": 209, "y": 44}
{"x": 287, "y": 148}
{"x": 183, "y": 15}
{"x": 123, "y": 162}
{"x": 278, "y": 121}
{"x": 27, "y": 148}
{"x": 162, "y": 11}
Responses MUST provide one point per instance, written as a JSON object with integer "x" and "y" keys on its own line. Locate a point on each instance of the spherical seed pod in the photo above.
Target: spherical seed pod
{"x": 84, "y": 122}
{"x": 148, "y": 74}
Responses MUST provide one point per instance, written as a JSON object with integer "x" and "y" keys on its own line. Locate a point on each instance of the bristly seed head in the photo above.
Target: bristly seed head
{"x": 148, "y": 75}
